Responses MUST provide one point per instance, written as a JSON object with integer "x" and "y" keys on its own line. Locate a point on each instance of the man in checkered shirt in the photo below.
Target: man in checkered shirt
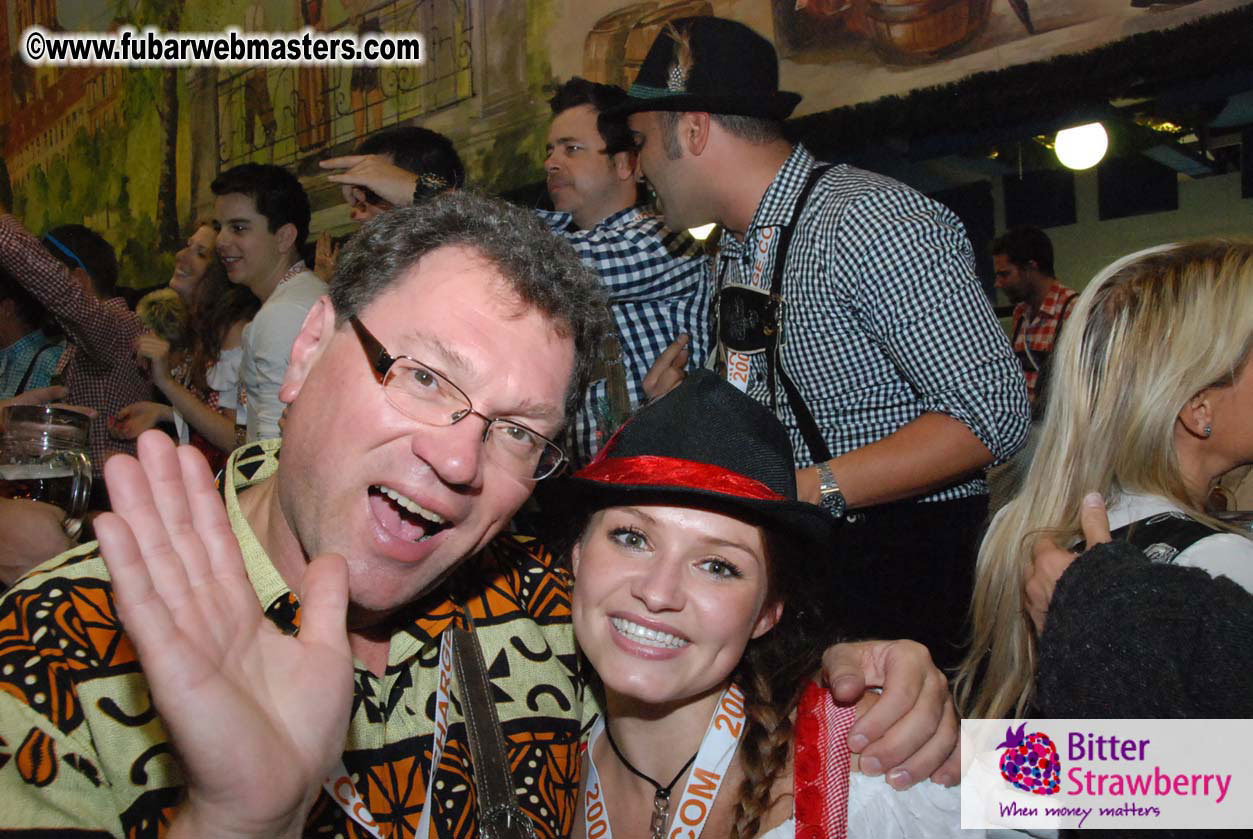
{"x": 656, "y": 277}
{"x": 72, "y": 271}
{"x": 880, "y": 325}
{"x": 1023, "y": 261}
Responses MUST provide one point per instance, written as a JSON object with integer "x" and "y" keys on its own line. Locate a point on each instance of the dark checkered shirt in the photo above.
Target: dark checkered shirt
{"x": 99, "y": 365}
{"x": 658, "y": 286}
{"x": 883, "y": 317}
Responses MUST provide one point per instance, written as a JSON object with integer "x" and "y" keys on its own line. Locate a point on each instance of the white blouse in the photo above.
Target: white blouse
{"x": 1223, "y": 554}
{"x": 877, "y": 811}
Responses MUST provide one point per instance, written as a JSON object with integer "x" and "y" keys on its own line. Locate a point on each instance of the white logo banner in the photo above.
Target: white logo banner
{"x": 1093, "y": 774}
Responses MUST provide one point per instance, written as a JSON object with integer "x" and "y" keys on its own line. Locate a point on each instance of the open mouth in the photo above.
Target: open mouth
{"x": 404, "y": 516}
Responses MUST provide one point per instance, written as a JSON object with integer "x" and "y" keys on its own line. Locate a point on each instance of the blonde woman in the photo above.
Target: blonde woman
{"x": 1151, "y": 403}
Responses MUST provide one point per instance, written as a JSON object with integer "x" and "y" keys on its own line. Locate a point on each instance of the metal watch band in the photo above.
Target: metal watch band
{"x": 832, "y": 498}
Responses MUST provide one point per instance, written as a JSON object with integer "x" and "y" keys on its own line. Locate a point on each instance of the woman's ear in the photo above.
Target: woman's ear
{"x": 1197, "y": 415}
{"x": 576, "y": 554}
{"x": 768, "y": 618}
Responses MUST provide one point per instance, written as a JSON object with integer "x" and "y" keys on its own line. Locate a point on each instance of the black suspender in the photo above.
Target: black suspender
{"x": 30, "y": 368}
{"x": 814, "y": 440}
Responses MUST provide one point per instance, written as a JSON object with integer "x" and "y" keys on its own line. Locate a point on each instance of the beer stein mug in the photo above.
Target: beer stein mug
{"x": 43, "y": 457}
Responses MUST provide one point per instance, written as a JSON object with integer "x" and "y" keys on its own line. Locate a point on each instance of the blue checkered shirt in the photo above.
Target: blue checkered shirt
{"x": 883, "y": 318}
{"x": 659, "y": 288}
{"x": 18, "y": 357}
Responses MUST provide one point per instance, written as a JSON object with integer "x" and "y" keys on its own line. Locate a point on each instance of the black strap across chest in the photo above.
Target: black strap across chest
{"x": 30, "y": 368}
{"x": 1163, "y": 536}
{"x": 772, "y": 323}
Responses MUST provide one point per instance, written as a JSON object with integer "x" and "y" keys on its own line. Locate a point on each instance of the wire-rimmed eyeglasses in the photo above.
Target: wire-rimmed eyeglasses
{"x": 422, "y": 393}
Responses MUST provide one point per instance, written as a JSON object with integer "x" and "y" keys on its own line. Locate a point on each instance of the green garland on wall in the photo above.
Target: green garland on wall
{"x": 984, "y": 104}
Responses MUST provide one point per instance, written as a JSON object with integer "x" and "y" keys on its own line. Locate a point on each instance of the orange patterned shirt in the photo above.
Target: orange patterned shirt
{"x": 82, "y": 752}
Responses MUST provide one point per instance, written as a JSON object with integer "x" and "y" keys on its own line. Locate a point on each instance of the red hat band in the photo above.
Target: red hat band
{"x": 651, "y": 470}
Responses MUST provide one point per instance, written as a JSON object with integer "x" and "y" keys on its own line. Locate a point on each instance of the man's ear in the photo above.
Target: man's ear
{"x": 576, "y": 554}
{"x": 694, "y": 132}
{"x": 84, "y": 280}
{"x": 287, "y": 238}
{"x": 1198, "y": 414}
{"x": 315, "y": 335}
{"x": 626, "y": 165}
{"x": 769, "y": 616}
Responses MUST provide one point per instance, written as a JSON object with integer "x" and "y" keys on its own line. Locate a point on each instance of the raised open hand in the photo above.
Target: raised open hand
{"x": 257, "y": 717}
{"x": 324, "y": 257}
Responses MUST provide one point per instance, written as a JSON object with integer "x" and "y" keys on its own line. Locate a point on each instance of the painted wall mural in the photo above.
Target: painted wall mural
{"x": 131, "y": 151}
{"x": 842, "y": 52}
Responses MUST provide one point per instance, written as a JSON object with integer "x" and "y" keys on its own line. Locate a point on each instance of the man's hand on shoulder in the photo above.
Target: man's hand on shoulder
{"x": 909, "y": 731}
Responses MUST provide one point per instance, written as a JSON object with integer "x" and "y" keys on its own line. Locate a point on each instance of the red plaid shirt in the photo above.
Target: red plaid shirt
{"x": 99, "y": 365}
{"x": 1033, "y": 344}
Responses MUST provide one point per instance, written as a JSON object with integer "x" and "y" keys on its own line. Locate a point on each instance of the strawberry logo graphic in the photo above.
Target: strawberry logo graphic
{"x": 1030, "y": 762}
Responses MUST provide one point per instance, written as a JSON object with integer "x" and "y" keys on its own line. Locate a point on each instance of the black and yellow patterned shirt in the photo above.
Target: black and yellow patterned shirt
{"x": 82, "y": 751}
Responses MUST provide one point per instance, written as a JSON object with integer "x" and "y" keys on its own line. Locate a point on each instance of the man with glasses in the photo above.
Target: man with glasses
{"x": 72, "y": 271}
{"x": 424, "y": 395}
{"x": 655, "y": 277}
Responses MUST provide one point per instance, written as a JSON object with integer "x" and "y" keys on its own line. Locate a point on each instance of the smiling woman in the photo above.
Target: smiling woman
{"x": 693, "y": 601}
{"x": 201, "y": 380}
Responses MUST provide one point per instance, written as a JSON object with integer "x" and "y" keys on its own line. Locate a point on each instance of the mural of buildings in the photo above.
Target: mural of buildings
{"x": 133, "y": 150}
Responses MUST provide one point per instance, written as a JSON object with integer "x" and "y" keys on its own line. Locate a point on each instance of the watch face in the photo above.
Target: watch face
{"x": 833, "y": 503}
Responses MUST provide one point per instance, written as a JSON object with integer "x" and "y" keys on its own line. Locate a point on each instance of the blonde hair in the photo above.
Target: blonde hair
{"x": 1148, "y": 333}
{"x": 164, "y": 312}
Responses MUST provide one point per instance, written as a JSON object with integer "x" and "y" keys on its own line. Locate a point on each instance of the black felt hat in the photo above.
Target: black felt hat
{"x": 705, "y": 444}
{"x": 719, "y": 66}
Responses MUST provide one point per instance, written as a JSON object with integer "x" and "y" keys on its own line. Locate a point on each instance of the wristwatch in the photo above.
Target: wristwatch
{"x": 832, "y": 499}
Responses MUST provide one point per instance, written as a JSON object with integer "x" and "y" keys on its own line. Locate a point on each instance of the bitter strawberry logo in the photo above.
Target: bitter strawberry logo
{"x": 1030, "y": 762}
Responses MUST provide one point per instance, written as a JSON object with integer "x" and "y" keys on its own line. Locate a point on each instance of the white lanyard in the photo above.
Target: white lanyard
{"x": 339, "y": 783}
{"x": 712, "y": 759}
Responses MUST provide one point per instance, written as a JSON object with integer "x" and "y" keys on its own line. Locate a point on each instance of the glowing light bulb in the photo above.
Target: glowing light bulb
{"x": 1083, "y": 146}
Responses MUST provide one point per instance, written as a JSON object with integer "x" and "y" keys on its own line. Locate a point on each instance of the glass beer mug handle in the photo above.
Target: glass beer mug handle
{"x": 80, "y": 496}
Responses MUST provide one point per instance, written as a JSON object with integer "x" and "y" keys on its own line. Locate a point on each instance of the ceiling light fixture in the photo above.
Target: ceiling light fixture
{"x": 1083, "y": 146}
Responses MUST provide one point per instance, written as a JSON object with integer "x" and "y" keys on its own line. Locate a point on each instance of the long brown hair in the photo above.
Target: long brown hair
{"x": 217, "y": 304}
{"x": 773, "y": 673}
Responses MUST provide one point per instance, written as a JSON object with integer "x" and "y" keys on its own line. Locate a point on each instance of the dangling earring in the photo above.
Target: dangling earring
{"x": 1208, "y": 430}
